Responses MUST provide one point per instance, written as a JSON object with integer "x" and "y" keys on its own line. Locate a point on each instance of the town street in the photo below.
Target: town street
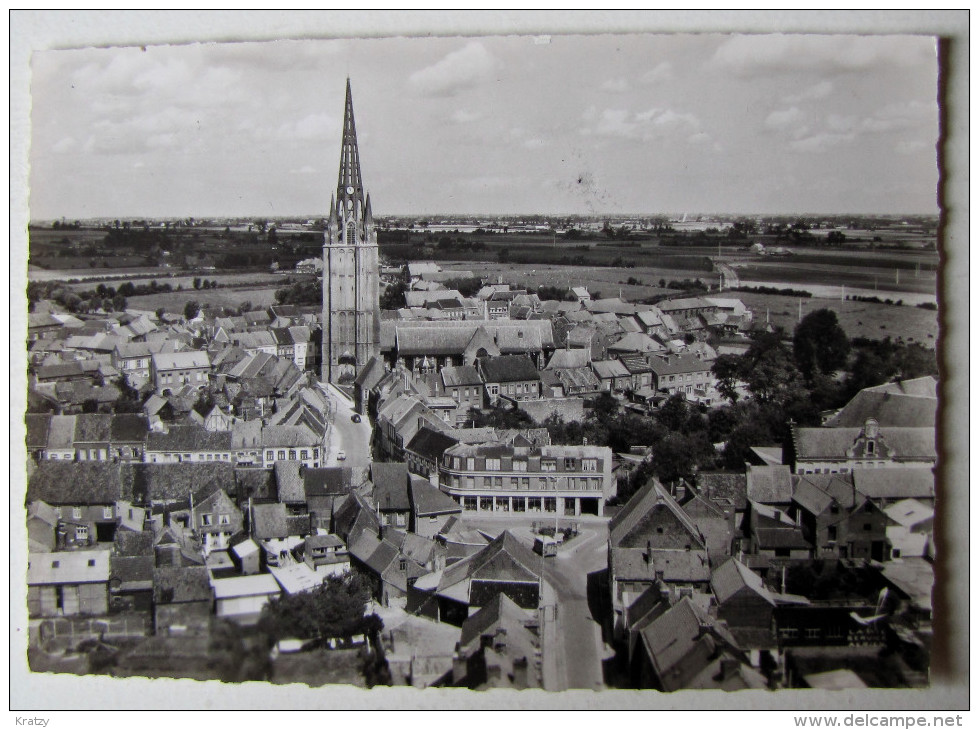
{"x": 578, "y": 650}
{"x": 354, "y": 439}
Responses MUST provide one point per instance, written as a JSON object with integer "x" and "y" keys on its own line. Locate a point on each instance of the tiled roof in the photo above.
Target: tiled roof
{"x": 732, "y": 576}
{"x": 181, "y": 585}
{"x": 676, "y": 565}
{"x": 769, "y": 484}
{"x": 675, "y": 364}
{"x": 92, "y": 428}
{"x": 390, "y": 486}
{"x": 288, "y": 436}
{"x": 889, "y": 409}
{"x": 834, "y": 443}
{"x": 129, "y": 543}
{"x": 128, "y": 428}
{"x": 566, "y": 358}
{"x": 504, "y": 559}
{"x": 289, "y": 481}
{"x": 189, "y": 438}
{"x": 500, "y": 612}
{"x": 83, "y": 566}
{"x": 37, "y": 430}
{"x": 269, "y": 521}
{"x": 609, "y": 369}
{"x": 460, "y": 375}
{"x": 925, "y": 386}
{"x": 895, "y": 483}
{"x": 636, "y": 342}
{"x": 639, "y": 506}
{"x": 181, "y": 360}
{"x": 429, "y": 500}
{"x": 132, "y": 568}
{"x": 327, "y": 481}
{"x": 810, "y": 497}
{"x": 508, "y": 369}
{"x": 725, "y": 485}
{"x": 430, "y": 444}
{"x": 81, "y": 483}
{"x": 177, "y": 482}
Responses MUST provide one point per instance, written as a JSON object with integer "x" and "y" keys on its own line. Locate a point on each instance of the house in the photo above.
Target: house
{"x": 685, "y": 649}
{"x": 465, "y": 386}
{"x": 127, "y": 436}
{"x": 391, "y": 493}
{"x": 131, "y": 578}
{"x": 838, "y": 520}
{"x": 295, "y": 443}
{"x": 187, "y": 443}
{"x": 431, "y": 509}
{"x": 910, "y": 531}
{"x": 132, "y": 359}
{"x": 326, "y": 554}
{"x": 687, "y": 374}
{"x": 892, "y": 484}
{"x": 771, "y": 485}
{"x": 774, "y": 537}
{"x": 241, "y": 599}
{"x": 392, "y": 573}
{"x": 639, "y": 370}
{"x": 840, "y": 450}
{"x": 182, "y": 599}
{"x": 277, "y": 531}
{"x": 217, "y": 520}
{"x": 84, "y": 496}
{"x": 325, "y": 489}
{"x": 497, "y": 649}
{"x": 170, "y": 371}
{"x": 906, "y": 404}
{"x": 504, "y": 566}
{"x": 653, "y": 539}
{"x": 42, "y": 525}
{"x": 514, "y": 376}
{"x": 612, "y": 375}
{"x": 68, "y": 583}
{"x": 369, "y": 376}
{"x": 424, "y": 452}
{"x": 61, "y": 439}
{"x": 506, "y": 477}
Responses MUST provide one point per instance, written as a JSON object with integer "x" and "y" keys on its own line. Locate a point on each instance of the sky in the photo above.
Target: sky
{"x": 592, "y": 125}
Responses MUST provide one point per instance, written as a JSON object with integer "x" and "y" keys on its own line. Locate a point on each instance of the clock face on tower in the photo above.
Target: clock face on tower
{"x": 350, "y": 190}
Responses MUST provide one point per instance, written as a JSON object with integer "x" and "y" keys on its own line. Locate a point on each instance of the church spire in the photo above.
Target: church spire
{"x": 349, "y": 186}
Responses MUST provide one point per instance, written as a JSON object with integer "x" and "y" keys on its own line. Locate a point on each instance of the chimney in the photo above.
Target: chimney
{"x": 648, "y": 555}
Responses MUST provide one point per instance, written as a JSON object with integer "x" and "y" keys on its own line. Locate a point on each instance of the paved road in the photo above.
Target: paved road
{"x": 353, "y": 439}
{"x": 576, "y": 650}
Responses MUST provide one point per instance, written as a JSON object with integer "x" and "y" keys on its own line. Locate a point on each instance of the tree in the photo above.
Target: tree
{"x": 191, "y": 309}
{"x": 499, "y": 416}
{"x": 820, "y": 344}
{"x": 727, "y": 369}
{"x": 334, "y": 609}
{"x": 197, "y": 282}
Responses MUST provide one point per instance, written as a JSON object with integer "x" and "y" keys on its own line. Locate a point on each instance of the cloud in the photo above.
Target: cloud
{"x": 615, "y": 86}
{"x": 785, "y": 119}
{"x": 698, "y": 138}
{"x": 458, "y": 71}
{"x": 464, "y": 116}
{"x": 304, "y": 170}
{"x": 819, "y": 91}
{"x": 310, "y": 127}
{"x": 660, "y": 72}
{"x": 645, "y": 125}
{"x": 822, "y": 141}
{"x": 750, "y": 55}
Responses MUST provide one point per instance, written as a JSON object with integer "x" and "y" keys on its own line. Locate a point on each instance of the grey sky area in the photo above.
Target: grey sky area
{"x": 570, "y": 124}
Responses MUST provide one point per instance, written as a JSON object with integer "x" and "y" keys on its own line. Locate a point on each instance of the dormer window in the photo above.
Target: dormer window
{"x": 871, "y": 445}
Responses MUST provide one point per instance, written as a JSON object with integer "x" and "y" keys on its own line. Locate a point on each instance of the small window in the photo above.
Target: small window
{"x": 76, "y": 513}
{"x": 107, "y": 513}
{"x": 55, "y": 563}
{"x": 224, "y": 519}
{"x": 207, "y": 519}
{"x": 91, "y": 563}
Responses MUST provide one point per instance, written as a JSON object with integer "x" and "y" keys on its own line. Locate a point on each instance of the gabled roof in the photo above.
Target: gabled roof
{"x": 128, "y": 428}
{"x": 674, "y": 637}
{"x": 810, "y": 497}
{"x": 909, "y": 512}
{"x": 327, "y": 481}
{"x": 61, "y": 432}
{"x": 501, "y": 612}
{"x": 92, "y": 428}
{"x": 289, "y": 481}
{"x": 427, "y": 500}
{"x": 567, "y": 358}
{"x": 888, "y": 408}
{"x": 390, "y": 486}
{"x": 181, "y": 360}
{"x": 925, "y": 386}
{"x": 769, "y": 484}
{"x": 640, "y": 505}
{"x": 177, "y": 482}
{"x": 835, "y": 443}
{"x": 508, "y": 369}
{"x": 895, "y": 482}
{"x": 288, "y": 436}
{"x": 181, "y": 585}
{"x": 271, "y": 521}
{"x": 189, "y": 438}
{"x": 609, "y": 369}
{"x": 83, "y": 566}
{"x": 81, "y": 483}
{"x": 37, "y": 430}
{"x": 430, "y": 444}
{"x": 731, "y": 486}
{"x": 636, "y": 342}
{"x": 505, "y": 559}
{"x": 732, "y": 577}
{"x": 460, "y": 375}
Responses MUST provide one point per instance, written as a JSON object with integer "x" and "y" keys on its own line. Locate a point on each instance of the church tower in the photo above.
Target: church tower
{"x": 351, "y": 307}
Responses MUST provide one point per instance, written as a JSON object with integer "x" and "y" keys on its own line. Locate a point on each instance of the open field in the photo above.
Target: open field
{"x": 258, "y": 297}
{"x": 858, "y": 319}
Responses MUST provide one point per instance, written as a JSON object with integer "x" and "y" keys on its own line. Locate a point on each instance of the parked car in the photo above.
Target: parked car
{"x": 341, "y": 456}
{"x": 355, "y": 418}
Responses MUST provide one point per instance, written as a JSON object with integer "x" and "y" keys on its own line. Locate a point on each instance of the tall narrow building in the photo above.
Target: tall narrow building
{"x": 351, "y": 308}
